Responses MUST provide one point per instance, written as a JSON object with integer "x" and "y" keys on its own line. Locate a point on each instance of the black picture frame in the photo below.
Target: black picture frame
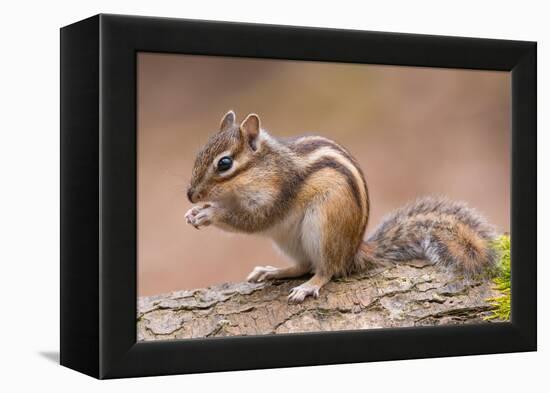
{"x": 98, "y": 195}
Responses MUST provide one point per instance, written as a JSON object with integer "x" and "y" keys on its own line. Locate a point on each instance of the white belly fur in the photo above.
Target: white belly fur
{"x": 298, "y": 237}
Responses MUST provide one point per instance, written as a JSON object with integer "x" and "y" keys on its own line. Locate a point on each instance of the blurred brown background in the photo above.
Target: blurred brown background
{"x": 415, "y": 131}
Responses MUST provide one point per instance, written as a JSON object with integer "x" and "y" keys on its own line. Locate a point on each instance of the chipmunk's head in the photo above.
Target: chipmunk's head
{"x": 227, "y": 154}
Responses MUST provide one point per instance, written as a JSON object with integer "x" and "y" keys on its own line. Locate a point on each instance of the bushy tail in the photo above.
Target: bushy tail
{"x": 434, "y": 229}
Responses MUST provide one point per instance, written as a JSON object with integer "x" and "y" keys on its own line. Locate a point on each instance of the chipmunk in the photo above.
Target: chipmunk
{"x": 309, "y": 195}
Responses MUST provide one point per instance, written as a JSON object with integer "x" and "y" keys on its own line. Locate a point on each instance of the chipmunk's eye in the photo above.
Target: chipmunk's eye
{"x": 225, "y": 163}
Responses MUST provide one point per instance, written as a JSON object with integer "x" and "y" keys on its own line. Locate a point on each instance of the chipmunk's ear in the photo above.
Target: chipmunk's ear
{"x": 228, "y": 121}
{"x": 250, "y": 129}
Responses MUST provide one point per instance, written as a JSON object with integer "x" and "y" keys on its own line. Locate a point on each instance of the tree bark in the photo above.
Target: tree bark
{"x": 408, "y": 294}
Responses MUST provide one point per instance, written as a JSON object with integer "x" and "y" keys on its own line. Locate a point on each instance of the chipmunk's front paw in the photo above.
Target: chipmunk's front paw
{"x": 262, "y": 273}
{"x": 201, "y": 216}
{"x": 299, "y": 293}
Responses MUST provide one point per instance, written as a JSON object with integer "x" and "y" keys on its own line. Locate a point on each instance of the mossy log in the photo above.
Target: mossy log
{"x": 409, "y": 294}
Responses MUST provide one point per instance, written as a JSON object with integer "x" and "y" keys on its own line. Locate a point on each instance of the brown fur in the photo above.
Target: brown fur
{"x": 273, "y": 180}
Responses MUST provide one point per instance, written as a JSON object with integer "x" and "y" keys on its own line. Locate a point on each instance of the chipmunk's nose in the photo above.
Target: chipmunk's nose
{"x": 190, "y": 193}
{"x": 193, "y": 195}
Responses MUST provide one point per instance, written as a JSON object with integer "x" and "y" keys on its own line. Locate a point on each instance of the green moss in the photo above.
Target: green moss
{"x": 501, "y": 279}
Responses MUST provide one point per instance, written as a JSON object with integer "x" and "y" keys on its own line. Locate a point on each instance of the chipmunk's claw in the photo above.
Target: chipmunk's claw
{"x": 199, "y": 216}
{"x": 262, "y": 273}
{"x": 298, "y": 294}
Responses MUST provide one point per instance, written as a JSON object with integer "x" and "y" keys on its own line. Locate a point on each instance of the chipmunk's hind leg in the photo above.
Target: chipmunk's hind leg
{"x": 331, "y": 234}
